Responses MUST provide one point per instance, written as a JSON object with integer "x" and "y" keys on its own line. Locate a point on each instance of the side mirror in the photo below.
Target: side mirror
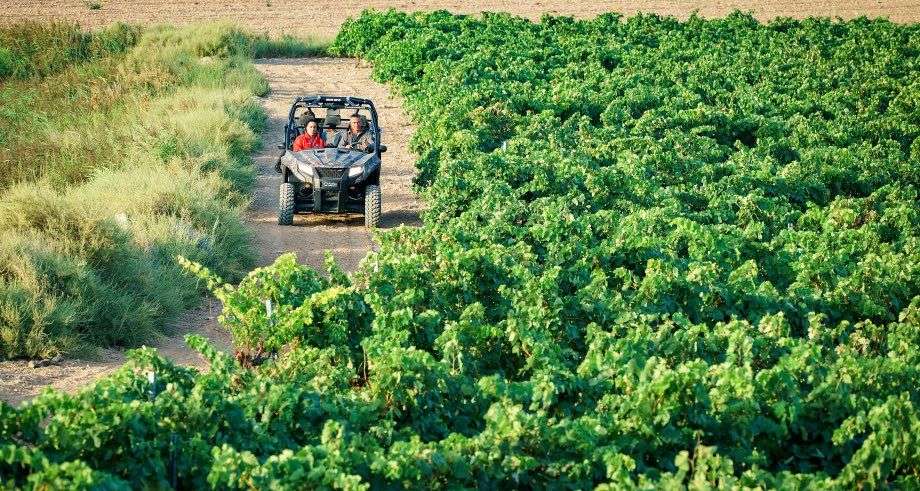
{"x": 383, "y": 148}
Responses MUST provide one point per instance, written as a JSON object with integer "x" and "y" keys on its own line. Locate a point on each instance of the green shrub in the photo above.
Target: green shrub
{"x": 7, "y": 63}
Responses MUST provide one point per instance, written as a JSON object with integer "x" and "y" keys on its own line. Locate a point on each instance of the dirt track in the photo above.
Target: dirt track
{"x": 19, "y": 382}
{"x": 322, "y": 18}
{"x": 346, "y": 237}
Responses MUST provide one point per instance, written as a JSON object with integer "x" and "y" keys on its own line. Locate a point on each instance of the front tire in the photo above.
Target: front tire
{"x": 286, "y": 204}
{"x": 372, "y": 206}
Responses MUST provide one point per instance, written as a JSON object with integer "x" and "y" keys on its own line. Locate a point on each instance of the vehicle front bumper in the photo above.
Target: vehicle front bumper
{"x": 330, "y": 191}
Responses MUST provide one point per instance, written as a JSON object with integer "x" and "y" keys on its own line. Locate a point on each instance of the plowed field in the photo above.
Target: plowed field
{"x": 322, "y": 18}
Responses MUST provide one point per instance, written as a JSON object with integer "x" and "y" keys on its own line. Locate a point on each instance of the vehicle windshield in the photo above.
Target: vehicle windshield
{"x": 335, "y": 119}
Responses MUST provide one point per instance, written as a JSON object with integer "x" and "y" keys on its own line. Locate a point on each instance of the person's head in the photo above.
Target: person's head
{"x": 306, "y": 116}
{"x": 356, "y": 124}
{"x": 311, "y": 127}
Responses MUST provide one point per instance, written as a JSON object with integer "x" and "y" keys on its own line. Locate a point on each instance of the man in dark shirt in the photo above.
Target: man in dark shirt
{"x": 358, "y": 136}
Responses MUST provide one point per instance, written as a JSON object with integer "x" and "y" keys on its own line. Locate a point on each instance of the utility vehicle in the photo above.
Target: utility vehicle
{"x": 329, "y": 180}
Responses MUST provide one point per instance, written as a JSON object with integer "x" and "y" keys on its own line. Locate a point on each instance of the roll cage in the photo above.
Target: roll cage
{"x": 292, "y": 129}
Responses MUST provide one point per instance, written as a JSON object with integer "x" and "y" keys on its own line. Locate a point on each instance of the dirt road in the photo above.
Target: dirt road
{"x": 323, "y": 18}
{"x": 310, "y": 236}
{"x": 346, "y": 237}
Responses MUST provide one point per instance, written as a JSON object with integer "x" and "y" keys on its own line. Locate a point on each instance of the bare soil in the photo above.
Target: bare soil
{"x": 346, "y": 237}
{"x": 323, "y": 18}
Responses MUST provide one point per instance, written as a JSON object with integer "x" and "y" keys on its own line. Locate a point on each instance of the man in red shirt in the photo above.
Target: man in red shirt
{"x": 311, "y": 138}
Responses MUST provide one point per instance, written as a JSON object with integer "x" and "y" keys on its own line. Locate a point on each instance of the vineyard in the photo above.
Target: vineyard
{"x": 656, "y": 254}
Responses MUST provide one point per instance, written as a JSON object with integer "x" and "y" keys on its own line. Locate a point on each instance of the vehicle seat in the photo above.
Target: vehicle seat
{"x": 332, "y": 119}
{"x": 331, "y": 126}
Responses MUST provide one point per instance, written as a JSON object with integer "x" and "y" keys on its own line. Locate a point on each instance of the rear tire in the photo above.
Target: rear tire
{"x": 372, "y": 206}
{"x": 286, "y": 204}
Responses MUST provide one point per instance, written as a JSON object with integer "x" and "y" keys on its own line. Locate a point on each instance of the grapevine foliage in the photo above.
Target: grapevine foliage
{"x": 656, "y": 254}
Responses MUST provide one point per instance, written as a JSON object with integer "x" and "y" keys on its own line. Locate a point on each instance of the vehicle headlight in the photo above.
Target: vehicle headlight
{"x": 355, "y": 171}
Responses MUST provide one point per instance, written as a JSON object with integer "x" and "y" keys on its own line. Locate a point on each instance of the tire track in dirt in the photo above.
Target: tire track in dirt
{"x": 310, "y": 236}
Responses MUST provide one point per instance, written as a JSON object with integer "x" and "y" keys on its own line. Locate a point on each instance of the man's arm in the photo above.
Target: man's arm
{"x": 345, "y": 140}
{"x": 367, "y": 143}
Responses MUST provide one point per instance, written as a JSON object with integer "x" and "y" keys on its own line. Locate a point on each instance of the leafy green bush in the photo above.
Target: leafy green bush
{"x": 278, "y": 305}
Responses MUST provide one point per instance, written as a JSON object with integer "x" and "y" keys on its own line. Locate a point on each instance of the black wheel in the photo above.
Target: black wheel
{"x": 286, "y": 204}
{"x": 372, "y": 206}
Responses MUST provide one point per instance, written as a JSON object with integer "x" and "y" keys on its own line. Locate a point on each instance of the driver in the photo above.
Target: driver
{"x": 358, "y": 137}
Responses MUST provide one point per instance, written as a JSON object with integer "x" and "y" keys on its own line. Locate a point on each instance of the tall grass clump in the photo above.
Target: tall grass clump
{"x": 35, "y": 49}
{"x": 111, "y": 168}
{"x": 288, "y": 46}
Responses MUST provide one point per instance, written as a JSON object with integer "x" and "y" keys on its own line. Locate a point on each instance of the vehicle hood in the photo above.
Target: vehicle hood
{"x": 332, "y": 157}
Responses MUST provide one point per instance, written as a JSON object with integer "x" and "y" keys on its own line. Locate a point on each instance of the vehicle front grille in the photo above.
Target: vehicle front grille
{"x": 330, "y": 172}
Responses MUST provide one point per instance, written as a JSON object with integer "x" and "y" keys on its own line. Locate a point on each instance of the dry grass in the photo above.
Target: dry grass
{"x": 116, "y": 166}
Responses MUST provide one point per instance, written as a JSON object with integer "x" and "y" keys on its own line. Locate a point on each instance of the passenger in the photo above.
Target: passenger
{"x": 333, "y": 134}
{"x": 311, "y": 138}
{"x": 358, "y": 137}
